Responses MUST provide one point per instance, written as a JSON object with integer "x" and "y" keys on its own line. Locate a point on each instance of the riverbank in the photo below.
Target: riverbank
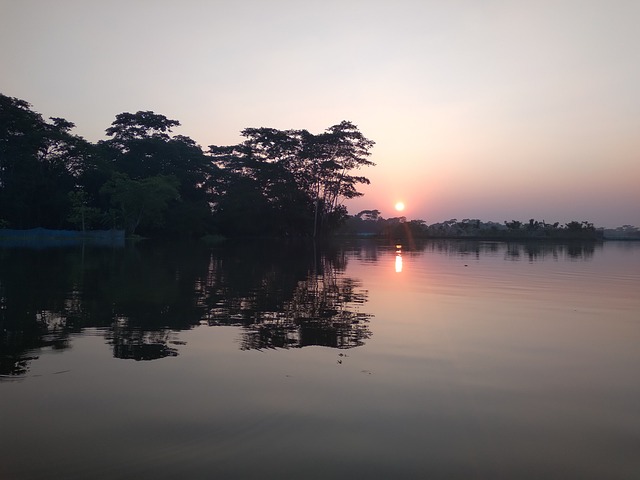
{"x": 44, "y": 237}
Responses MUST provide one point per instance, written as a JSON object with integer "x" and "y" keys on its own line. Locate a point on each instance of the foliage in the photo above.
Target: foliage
{"x": 151, "y": 181}
{"x": 143, "y": 201}
{"x": 370, "y": 215}
{"x": 82, "y": 215}
{"x": 625, "y": 232}
{"x": 40, "y": 162}
{"x": 367, "y": 224}
{"x": 131, "y": 126}
{"x": 154, "y": 182}
{"x": 295, "y": 179}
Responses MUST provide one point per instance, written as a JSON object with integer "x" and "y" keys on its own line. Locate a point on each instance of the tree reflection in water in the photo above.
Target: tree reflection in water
{"x": 323, "y": 310}
{"x": 291, "y": 306}
{"x": 282, "y": 295}
{"x": 531, "y": 251}
{"x": 138, "y": 344}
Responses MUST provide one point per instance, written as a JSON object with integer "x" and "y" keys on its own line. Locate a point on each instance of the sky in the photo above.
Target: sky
{"x": 487, "y": 109}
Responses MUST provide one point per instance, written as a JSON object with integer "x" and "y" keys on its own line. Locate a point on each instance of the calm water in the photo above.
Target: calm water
{"x": 444, "y": 360}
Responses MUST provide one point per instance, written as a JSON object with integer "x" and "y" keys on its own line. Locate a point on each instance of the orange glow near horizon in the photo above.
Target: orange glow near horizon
{"x": 399, "y": 206}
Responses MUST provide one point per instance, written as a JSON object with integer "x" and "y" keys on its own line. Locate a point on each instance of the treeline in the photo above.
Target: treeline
{"x": 370, "y": 223}
{"x": 150, "y": 182}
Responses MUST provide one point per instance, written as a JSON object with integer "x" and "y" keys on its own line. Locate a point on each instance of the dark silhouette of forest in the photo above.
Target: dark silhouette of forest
{"x": 275, "y": 183}
{"x": 149, "y": 182}
{"x": 370, "y": 223}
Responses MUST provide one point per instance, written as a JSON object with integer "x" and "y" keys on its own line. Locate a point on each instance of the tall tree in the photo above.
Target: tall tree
{"x": 329, "y": 158}
{"x": 40, "y": 163}
{"x": 142, "y": 124}
{"x": 305, "y": 177}
{"x": 265, "y": 160}
{"x": 141, "y": 147}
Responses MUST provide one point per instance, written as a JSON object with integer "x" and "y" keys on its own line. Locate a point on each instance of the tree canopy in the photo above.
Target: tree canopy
{"x": 148, "y": 180}
{"x": 314, "y": 172}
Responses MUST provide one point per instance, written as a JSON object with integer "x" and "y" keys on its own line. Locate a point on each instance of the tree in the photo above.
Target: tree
{"x": 261, "y": 167}
{"x": 513, "y": 225}
{"x": 139, "y": 144}
{"x": 369, "y": 215}
{"x": 328, "y": 159}
{"x": 303, "y": 177}
{"x": 142, "y": 148}
{"x": 40, "y": 162}
{"x": 81, "y": 213}
{"x": 276, "y": 182}
{"x": 142, "y": 124}
{"x": 141, "y": 202}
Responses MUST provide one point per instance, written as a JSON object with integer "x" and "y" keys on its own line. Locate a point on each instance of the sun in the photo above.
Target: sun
{"x": 399, "y": 206}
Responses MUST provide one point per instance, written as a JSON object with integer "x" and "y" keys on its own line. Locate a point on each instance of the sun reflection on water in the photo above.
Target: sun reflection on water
{"x": 398, "y": 258}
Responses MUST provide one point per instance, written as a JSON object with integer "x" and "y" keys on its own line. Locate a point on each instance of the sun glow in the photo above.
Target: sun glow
{"x": 399, "y": 206}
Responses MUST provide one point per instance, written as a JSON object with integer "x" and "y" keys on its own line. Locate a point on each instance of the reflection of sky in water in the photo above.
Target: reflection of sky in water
{"x": 478, "y": 366}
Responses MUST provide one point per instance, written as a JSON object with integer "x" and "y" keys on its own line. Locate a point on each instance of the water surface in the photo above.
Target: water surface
{"x": 445, "y": 359}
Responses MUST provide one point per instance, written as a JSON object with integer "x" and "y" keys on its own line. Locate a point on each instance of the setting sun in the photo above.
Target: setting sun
{"x": 399, "y": 206}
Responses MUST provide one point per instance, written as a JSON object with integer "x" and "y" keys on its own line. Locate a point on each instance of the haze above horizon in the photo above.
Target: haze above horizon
{"x": 493, "y": 110}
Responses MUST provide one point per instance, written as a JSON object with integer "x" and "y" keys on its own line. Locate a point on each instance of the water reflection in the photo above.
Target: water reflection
{"x": 530, "y": 251}
{"x": 282, "y": 296}
{"x": 283, "y": 308}
{"x": 398, "y": 258}
{"x": 369, "y": 251}
{"x": 478, "y": 372}
{"x": 540, "y": 251}
{"x": 138, "y": 344}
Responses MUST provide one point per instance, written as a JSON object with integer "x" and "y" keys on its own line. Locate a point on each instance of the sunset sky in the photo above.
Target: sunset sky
{"x": 485, "y": 109}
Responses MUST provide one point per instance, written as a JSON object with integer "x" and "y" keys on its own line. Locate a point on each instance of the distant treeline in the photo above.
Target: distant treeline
{"x": 370, "y": 223}
{"x": 149, "y": 182}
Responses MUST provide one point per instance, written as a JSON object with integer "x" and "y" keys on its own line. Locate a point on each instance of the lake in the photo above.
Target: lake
{"x": 439, "y": 360}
